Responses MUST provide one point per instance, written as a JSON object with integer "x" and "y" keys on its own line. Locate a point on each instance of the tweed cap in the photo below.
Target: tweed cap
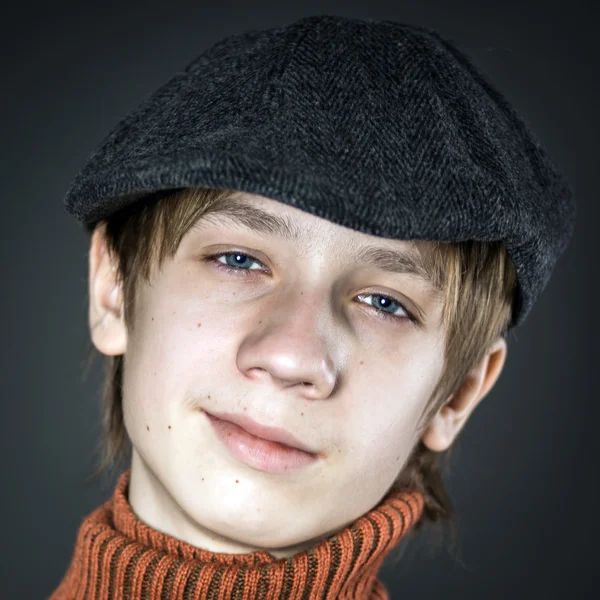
{"x": 383, "y": 127}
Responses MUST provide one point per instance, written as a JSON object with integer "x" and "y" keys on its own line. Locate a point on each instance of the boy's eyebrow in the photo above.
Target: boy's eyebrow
{"x": 259, "y": 221}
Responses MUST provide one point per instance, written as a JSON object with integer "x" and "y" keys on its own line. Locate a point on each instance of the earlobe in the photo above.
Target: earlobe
{"x": 107, "y": 326}
{"x": 452, "y": 416}
{"x": 440, "y": 432}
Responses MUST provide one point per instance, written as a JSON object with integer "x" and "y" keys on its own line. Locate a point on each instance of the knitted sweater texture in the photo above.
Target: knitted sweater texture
{"x": 117, "y": 556}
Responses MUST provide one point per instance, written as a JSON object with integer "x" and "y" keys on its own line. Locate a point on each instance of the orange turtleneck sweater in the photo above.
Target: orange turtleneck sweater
{"x": 117, "y": 556}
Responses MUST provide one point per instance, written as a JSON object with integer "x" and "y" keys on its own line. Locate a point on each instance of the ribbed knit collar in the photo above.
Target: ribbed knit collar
{"x": 118, "y": 556}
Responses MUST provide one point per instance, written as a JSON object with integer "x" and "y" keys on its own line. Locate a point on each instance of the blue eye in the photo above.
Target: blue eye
{"x": 245, "y": 259}
{"x": 239, "y": 259}
{"x": 384, "y": 302}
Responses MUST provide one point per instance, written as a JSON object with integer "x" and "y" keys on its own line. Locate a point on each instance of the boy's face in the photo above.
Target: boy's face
{"x": 287, "y": 342}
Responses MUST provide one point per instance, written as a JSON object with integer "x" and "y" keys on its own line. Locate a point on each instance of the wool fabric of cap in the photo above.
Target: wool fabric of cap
{"x": 383, "y": 127}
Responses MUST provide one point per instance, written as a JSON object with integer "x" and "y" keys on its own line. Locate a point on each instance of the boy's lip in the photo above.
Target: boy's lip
{"x": 273, "y": 434}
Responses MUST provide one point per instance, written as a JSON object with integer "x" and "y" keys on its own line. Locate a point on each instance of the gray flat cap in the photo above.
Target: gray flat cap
{"x": 382, "y": 127}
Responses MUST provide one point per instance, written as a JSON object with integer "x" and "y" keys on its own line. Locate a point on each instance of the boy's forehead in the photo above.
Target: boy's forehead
{"x": 278, "y": 219}
{"x": 274, "y": 219}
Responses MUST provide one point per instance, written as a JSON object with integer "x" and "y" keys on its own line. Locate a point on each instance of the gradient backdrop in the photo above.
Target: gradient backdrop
{"x": 523, "y": 480}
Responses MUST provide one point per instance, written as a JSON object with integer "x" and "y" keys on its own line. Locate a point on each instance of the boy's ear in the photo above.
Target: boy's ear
{"x": 106, "y": 320}
{"x": 450, "y": 419}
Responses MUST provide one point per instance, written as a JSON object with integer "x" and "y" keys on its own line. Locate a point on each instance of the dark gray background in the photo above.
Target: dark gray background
{"x": 523, "y": 480}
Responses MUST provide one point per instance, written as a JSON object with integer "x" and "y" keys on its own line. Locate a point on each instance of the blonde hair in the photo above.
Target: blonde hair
{"x": 478, "y": 279}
